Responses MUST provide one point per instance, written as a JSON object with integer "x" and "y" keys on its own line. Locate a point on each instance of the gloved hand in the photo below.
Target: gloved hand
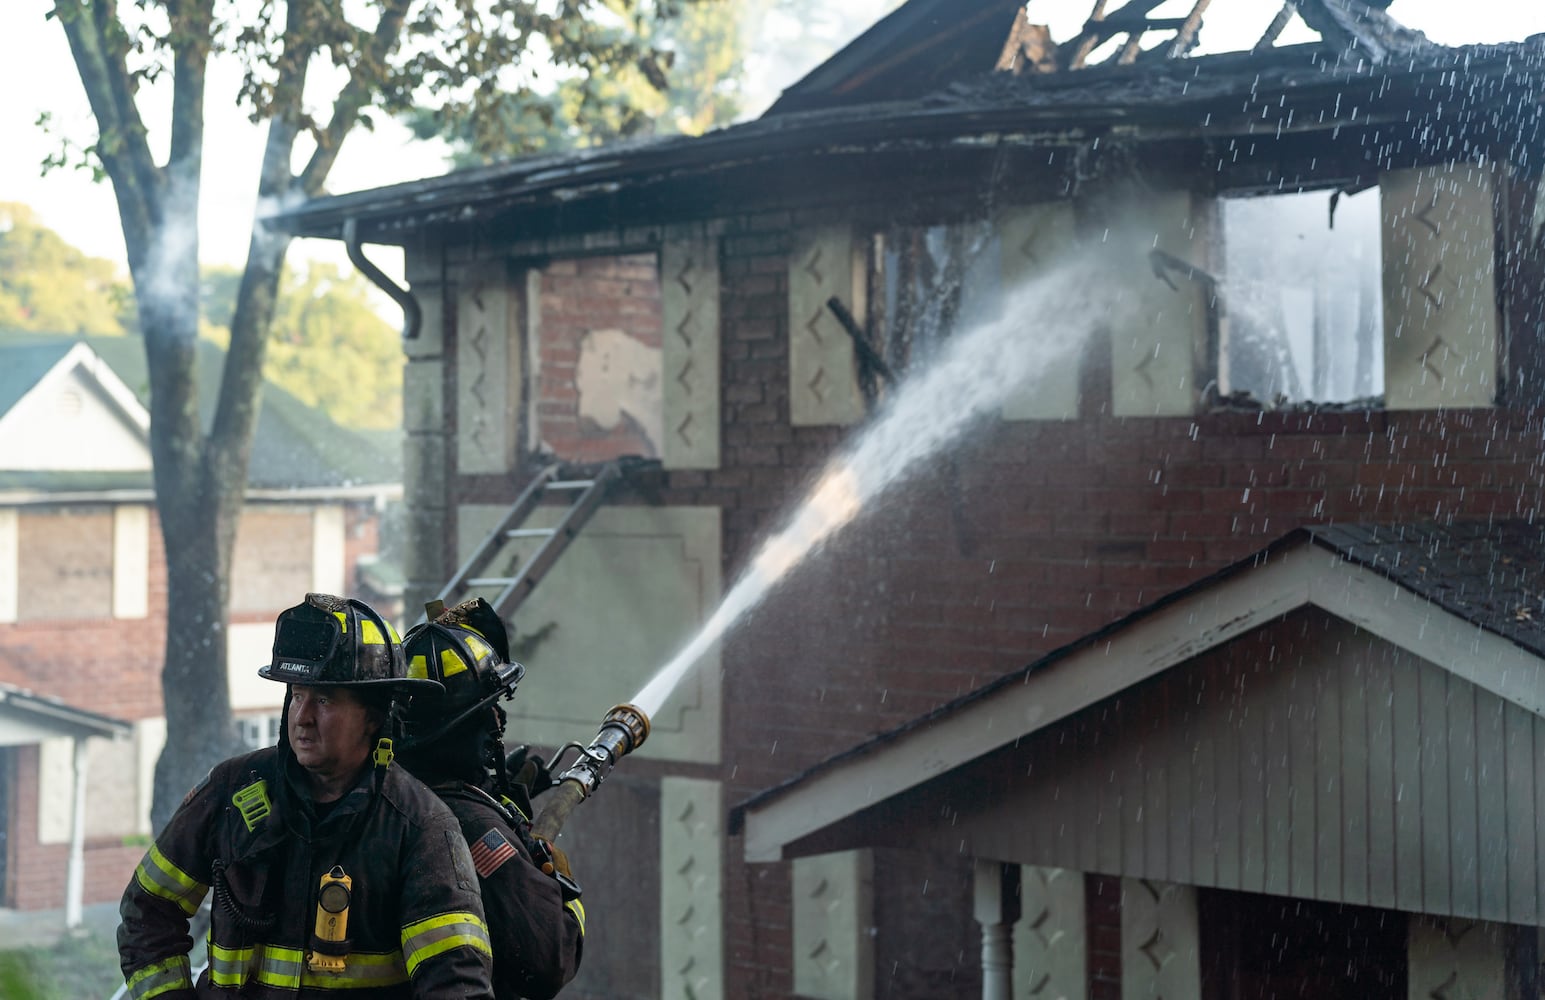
{"x": 528, "y": 769}
{"x": 560, "y": 861}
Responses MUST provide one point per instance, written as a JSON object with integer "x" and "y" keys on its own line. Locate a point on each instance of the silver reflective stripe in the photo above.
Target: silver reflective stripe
{"x": 161, "y": 977}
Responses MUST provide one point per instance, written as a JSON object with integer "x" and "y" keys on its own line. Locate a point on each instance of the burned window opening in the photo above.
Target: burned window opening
{"x": 925, "y": 282}
{"x": 1299, "y": 301}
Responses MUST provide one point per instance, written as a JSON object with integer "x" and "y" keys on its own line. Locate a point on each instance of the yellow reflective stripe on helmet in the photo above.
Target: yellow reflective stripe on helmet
{"x": 161, "y": 977}
{"x": 450, "y": 663}
{"x": 427, "y": 938}
{"x": 419, "y": 667}
{"x": 391, "y": 631}
{"x": 361, "y": 970}
{"x": 479, "y": 648}
{"x": 577, "y": 908}
{"x": 229, "y": 966}
{"x": 343, "y": 620}
{"x": 369, "y": 634}
{"x": 159, "y": 877}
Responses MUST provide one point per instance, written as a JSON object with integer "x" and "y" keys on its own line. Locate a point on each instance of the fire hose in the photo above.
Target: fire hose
{"x": 622, "y": 731}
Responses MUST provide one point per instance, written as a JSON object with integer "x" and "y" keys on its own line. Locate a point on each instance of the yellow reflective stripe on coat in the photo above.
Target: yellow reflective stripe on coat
{"x": 229, "y": 967}
{"x": 361, "y": 970}
{"x": 159, "y": 877}
{"x": 161, "y": 977}
{"x": 577, "y": 908}
{"x": 285, "y": 969}
{"x": 425, "y": 939}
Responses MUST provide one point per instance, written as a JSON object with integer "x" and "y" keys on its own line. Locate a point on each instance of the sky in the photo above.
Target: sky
{"x": 37, "y": 76}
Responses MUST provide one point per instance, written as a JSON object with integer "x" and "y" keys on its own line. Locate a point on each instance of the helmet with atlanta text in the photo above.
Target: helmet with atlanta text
{"x": 340, "y": 642}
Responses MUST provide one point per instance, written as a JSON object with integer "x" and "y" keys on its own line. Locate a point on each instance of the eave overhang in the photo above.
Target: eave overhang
{"x": 1476, "y": 97}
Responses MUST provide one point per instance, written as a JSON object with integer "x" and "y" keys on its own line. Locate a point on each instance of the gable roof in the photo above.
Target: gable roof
{"x": 1469, "y": 598}
{"x": 295, "y": 447}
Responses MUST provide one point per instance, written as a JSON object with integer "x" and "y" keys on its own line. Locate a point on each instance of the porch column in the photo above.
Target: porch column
{"x": 74, "y": 879}
{"x": 996, "y": 909}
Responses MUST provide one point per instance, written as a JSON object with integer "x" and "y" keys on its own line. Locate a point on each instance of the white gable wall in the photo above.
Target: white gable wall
{"x": 69, "y": 423}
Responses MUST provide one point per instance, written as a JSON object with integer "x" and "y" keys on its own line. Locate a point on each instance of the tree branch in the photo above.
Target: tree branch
{"x": 241, "y": 381}
{"x": 190, "y": 28}
{"x": 355, "y": 95}
{"x": 121, "y": 142}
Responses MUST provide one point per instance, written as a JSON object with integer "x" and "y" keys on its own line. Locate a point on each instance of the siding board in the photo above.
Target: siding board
{"x": 1523, "y": 883}
{"x": 1432, "y": 692}
{"x": 1491, "y": 814}
{"x": 1279, "y": 782}
{"x": 1329, "y": 828}
{"x": 1406, "y": 732}
{"x": 1356, "y": 729}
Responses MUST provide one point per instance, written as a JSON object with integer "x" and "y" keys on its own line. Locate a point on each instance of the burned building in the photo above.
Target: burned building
{"x": 1267, "y": 536}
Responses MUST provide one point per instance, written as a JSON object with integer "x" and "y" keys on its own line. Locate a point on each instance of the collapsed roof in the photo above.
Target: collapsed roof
{"x": 1385, "y": 95}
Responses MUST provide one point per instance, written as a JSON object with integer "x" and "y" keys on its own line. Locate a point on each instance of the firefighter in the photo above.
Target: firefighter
{"x": 453, "y": 742}
{"x": 333, "y": 872}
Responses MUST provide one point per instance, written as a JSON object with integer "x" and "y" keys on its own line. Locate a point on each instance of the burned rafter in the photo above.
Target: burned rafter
{"x": 1352, "y": 24}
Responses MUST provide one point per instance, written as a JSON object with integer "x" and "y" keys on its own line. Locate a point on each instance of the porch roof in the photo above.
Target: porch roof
{"x": 27, "y": 717}
{"x": 1466, "y": 597}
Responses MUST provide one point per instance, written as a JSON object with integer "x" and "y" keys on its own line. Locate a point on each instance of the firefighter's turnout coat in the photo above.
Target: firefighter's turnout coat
{"x": 537, "y": 936}
{"x": 250, "y": 834}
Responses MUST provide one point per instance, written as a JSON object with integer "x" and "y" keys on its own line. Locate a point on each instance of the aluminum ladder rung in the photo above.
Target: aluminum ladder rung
{"x": 571, "y": 484}
{"x": 491, "y": 581}
{"x": 529, "y": 532}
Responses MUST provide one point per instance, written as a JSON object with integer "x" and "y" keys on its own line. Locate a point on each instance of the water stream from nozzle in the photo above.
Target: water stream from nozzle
{"x": 974, "y": 374}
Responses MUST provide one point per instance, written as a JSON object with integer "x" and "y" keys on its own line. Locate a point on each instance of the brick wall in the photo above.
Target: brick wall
{"x": 112, "y": 667}
{"x": 1015, "y": 541}
{"x": 37, "y": 871}
{"x": 579, "y": 296}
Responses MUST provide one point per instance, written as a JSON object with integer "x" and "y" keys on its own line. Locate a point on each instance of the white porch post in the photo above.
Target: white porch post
{"x": 996, "y": 909}
{"x": 75, "y": 874}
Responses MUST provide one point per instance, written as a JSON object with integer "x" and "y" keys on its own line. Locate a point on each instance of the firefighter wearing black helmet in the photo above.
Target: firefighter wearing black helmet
{"x": 333, "y": 872}
{"x": 453, "y": 742}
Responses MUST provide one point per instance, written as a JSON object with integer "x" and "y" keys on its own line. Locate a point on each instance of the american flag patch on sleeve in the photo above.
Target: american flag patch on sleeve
{"x": 489, "y": 852}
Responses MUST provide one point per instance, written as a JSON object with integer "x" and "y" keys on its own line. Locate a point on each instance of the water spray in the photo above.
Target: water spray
{"x": 622, "y": 731}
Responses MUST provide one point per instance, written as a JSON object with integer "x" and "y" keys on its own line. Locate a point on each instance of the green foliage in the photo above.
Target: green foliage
{"x": 75, "y": 967}
{"x": 690, "y": 82}
{"x": 48, "y": 286}
{"x": 327, "y": 346}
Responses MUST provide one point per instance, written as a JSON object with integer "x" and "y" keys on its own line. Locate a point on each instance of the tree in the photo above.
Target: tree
{"x": 48, "y": 286}
{"x": 693, "y": 85}
{"x": 322, "y": 314}
{"x": 394, "y": 55}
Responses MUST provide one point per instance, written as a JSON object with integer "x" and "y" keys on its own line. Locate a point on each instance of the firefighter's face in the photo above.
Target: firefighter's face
{"x": 331, "y": 731}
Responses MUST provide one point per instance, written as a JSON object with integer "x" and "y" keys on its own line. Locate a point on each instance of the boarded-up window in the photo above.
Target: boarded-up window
{"x": 599, "y": 393}
{"x": 65, "y": 564}
{"x": 272, "y": 566}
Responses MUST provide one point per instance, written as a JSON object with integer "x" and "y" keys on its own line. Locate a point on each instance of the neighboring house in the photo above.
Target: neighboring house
{"x": 1313, "y": 766}
{"x": 83, "y": 594}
